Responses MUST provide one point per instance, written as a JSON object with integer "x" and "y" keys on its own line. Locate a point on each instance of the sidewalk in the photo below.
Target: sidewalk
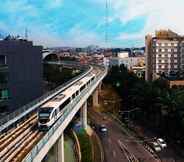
{"x": 97, "y": 149}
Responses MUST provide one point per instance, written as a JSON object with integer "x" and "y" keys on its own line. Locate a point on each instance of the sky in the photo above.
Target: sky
{"x": 83, "y": 22}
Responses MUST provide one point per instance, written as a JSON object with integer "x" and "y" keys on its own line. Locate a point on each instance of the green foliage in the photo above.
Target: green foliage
{"x": 57, "y": 75}
{"x": 86, "y": 148}
{"x": 160, "y": 107}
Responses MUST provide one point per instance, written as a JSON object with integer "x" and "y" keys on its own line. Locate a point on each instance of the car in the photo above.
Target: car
{"x": 103, "y": 129}
{"x": 155, "y": 146}
{"x": 162, "y": 143}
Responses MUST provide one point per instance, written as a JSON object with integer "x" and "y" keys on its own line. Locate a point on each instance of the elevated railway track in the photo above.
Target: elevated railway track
{"x": 17, "y": 141}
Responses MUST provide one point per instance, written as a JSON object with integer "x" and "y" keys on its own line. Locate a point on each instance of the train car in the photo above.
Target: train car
{"x": 52, "y": 110}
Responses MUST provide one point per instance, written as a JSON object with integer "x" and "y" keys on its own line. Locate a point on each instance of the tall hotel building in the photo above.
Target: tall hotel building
{"x": 164, "y": 54}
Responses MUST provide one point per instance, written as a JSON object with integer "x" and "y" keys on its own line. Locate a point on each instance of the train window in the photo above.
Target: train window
{"x": 54, "y": 114}
{"x": 88, "y": 82}
{"x": 73, "y": 96}
{"x": 45, "y": 112}
{"x": 83, "y": 87}
{"x": 64, "y": 104}
{"x": 77, "y": 93}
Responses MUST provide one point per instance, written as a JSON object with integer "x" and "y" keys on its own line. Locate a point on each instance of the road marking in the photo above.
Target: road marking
{"x": 109, "y": 140}
{"x": 114, "y": 153}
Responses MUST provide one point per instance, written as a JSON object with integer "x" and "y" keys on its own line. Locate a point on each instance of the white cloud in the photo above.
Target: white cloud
{"x": 161, "y": 14}
{"x": 54, "y": 3}
{"x": 19, "y": 6}
{"x": 129, "y": 36}
{"x": 81, "y": 37}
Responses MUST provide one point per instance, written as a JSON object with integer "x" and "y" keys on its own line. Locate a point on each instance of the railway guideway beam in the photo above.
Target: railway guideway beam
{"x": 95, "y": 98}
{"x": 59, "y": 149}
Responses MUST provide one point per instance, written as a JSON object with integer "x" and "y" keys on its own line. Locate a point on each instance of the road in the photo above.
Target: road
{"x": 116, "y": 135}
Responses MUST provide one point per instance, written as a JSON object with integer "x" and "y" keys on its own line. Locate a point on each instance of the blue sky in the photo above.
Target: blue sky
{"x": 82, "y": 22}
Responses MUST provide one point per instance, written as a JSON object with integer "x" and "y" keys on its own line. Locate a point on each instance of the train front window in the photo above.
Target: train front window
{"x": 45, "y": 112}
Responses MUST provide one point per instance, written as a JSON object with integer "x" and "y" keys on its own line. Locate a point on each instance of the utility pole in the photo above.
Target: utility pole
{"x": 107, "y": 21}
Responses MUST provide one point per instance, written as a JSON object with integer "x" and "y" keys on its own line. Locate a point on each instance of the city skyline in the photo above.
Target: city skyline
{"x": 70, "y": 23}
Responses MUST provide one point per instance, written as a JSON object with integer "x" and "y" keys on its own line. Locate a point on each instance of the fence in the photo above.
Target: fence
{"x": 66, "y": 111}
{"x": 23, "y": 111}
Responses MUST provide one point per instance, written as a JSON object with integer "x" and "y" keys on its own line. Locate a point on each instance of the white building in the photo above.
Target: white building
{"x": 129, "y": 62}
{"x": 123, "y": 54}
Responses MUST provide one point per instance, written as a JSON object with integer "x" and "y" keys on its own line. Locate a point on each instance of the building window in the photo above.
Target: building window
{"x": 175, "y": 66}
{"x": 2, "y": 60}
{"x": 175, "y": 44}
{"x": 175, "y": 61}
{"x": 4, "y": 94}
{"x": 169, "y": 44}
{"x": 159, "y": 61}
{"x": 163, "y": 61}
{"x": 175, "y": 55}
{"x": 163, "y": 66}
{"x": 163, "y": 50}
{"x": 3, "y": 78}
{"x": 162, "y": 44}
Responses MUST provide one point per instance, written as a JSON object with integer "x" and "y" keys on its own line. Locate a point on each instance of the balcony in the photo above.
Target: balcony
{"x": 3, "y": 86}
{"x": 3, "y": 67}
{"x": 4, "y": 102}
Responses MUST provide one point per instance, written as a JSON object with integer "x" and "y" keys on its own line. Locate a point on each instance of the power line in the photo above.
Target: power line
{"x": 107, "y": 22}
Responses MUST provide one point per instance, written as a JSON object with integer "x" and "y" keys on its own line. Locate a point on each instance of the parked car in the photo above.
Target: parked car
{"x": 162, "y": 143}
{"x": 155, "y": 146}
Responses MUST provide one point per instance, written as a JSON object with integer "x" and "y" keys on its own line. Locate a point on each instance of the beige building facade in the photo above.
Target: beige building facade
{"x": 164, "y": 54}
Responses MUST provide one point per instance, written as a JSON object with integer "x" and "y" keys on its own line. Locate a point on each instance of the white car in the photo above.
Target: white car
{"x": 155, "y": 146}
{"x": 161, "y": 142}
{"x": 103, "y": 129}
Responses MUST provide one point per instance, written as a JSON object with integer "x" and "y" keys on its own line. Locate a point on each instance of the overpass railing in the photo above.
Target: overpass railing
{"x": 67, "y": 110}
{"x": 23, "y": 111}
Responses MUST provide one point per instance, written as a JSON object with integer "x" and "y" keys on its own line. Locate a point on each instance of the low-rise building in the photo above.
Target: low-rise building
{"x": 129, "y": 62}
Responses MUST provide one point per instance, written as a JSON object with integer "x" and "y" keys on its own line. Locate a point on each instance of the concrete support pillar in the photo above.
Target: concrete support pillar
{"x": 59, "y": 149}
{"x": 100, "y": 87}
{"x": 83, "y": 115}
{"x": 95, "y": 98}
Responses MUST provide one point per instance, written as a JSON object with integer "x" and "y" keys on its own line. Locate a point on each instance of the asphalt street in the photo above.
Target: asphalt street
{"x": 116, "y": 135}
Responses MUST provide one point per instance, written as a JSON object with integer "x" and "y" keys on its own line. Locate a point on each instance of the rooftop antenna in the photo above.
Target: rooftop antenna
{"x": 26, "y": 34}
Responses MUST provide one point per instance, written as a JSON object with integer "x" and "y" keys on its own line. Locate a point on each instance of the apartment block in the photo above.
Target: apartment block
{"x": 164, "y": 54}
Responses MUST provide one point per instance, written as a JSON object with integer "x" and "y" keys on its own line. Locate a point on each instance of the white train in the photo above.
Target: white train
{"x": 49, "y": 112}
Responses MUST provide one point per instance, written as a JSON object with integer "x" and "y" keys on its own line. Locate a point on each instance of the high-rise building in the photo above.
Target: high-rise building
{"x": 164, "y": 54}
{"x": 20, "y": 73}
